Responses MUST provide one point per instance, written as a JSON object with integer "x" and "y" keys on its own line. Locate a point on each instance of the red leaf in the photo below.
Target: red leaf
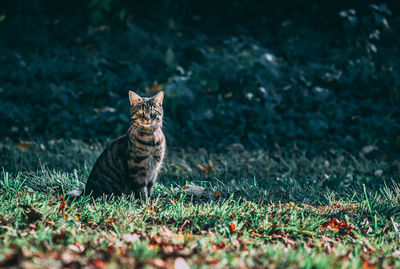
{"x": 367, "y": 265}
{"x": 232, "y": 227}
{"x": 61, "y": 208}
{"x": 218, "y": 246}
{"x": 111, "y": 220}
{"x": 98, "y": 263}
{"x": 336, "y": 225}
{"x": 217, "y": 194}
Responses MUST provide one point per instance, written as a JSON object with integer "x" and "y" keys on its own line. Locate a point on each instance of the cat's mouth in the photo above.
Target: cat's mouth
{"x": 148, "y": 127}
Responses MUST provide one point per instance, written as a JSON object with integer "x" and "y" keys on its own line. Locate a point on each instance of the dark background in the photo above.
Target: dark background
{"x": 311, "y": 75}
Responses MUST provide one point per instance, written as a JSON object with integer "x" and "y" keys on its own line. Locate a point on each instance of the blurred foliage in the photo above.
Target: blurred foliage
{"x": 315, "y": 75}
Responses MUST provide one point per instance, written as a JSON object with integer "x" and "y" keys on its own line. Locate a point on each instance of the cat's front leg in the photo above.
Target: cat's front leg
{"x": 143, "y": 192}
{"x": 150, "y": 186}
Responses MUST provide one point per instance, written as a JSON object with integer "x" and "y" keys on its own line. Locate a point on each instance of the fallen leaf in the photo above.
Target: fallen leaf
{"x": 188, "y": 237}
{"x": 235, "y": 147}
{"x": 181, "y": 168}
{"x": 208, "y": 169}
{"x": 111, "y": 220}
{"x": 367, "y": 265}
{"x": 368, "y": 149}
{"x": 61, "y": 208}
{"x": 166, "y": 232}
{"x": 232, "y": 227}
{"x": 228, "y": 95}
{"x": 218, "y": 246}
{"x": 130, "y": 238}
{"x": 78, "y": 248}
{"x": 67, "y": 258}
{"x": 285, "y": 239}
{"x": 337, "y": 225}
{"x": 24, "y": 145}
{"x": 154, "y": 241}
{"x": 180, "y": 263}
{"x": 156, "y": 87}
{"x": 217, "y": 194}
{"x": 98, "y": 263}
{"x": 195, "y": 190}
{"x": 157, "y": 263}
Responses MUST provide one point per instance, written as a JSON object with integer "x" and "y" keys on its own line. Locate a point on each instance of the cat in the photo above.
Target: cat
{"x": 131, "y": 163}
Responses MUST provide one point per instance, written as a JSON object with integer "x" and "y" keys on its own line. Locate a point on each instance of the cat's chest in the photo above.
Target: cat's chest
{"x": 151, "y": 160}
{"x": 146, "y": 152}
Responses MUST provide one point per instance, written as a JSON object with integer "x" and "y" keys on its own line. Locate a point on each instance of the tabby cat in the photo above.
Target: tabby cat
{"x": 130, "y": 164}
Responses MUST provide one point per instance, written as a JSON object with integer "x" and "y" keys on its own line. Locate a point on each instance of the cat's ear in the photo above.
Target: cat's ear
{"x": 134, "y": 98}
{"x": 158, "y": 98}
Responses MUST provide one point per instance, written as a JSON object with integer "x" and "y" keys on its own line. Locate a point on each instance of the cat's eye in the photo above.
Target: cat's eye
{"x": 153, "y": 112}
{"x": 141, "y": 112}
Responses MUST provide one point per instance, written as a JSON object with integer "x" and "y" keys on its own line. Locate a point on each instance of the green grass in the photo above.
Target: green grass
{"x": 270, "y": 213}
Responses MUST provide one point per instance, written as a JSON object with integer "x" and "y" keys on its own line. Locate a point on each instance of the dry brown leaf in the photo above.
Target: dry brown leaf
{"x": 218, "y": 246}
{"x": 166, "y": 232}
{"x": 367, "y": 265}
{"x": 181, "y": 263}
{"x": 217, "y": 194}
{"x": 78, "y": 248}
{"x": 181, "y": 168}
{"x": 24, "y": 145}
{"x": 130, "y": 238}
{"x": 228, "y": 95}
{"x": 208, "y": 169}
{"x": 111, "y": 220}
{"x": 188, "y": 237}
{"x": 157, "y": 263}
{"x": 156, "y": 87}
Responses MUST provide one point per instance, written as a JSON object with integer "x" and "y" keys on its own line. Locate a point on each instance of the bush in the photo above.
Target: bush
{"x": 298, "y": 86}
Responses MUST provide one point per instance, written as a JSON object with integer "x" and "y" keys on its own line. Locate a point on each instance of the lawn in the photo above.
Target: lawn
{"x": 275, "y": 209}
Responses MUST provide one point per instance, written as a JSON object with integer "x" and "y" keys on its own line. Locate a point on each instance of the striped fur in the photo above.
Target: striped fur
{"x": 130, "y": 163}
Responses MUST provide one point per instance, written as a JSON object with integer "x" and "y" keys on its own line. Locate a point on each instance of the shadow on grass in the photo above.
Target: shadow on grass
{"x": 57, "y": 167}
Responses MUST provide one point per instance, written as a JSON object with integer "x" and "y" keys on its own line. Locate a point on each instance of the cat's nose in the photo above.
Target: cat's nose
{"x": 147, "y": 118}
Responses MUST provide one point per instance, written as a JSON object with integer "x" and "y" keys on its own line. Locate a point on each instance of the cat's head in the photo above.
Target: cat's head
{"x": 146, "y": 113}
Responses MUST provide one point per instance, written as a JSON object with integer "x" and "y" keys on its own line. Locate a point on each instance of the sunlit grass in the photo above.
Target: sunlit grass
{"x": 268, "y": 216}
